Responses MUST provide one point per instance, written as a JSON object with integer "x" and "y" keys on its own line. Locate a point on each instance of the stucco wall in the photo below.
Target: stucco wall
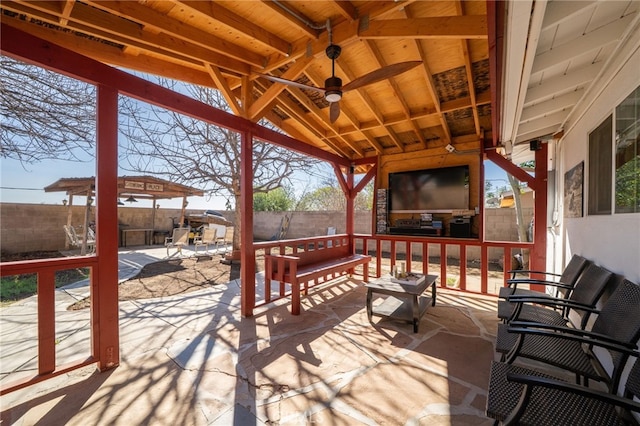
{"x": 611, "y": 240}
{"x": 33, "y": 227}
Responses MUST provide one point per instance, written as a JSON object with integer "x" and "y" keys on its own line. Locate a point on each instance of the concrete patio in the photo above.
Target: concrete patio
{"x": 192, "y": 360}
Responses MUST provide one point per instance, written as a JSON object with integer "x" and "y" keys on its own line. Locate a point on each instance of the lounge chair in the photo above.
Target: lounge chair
{"x": 76, "y": 241}
{"x": 206, "y": 238}
{"x": 178, "y": 239}
{"x": 221, "y": 238}
{"x": 581, "y": 301}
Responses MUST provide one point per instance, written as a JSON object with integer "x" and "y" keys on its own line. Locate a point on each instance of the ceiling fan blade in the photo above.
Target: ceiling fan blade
{"x": 381, "y": 74}
{"x": 334, "y": 111}
{"x": 292, "y": 83}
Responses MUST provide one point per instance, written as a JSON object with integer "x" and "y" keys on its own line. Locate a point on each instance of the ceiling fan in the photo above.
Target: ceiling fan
{"x": 333, "y": 88}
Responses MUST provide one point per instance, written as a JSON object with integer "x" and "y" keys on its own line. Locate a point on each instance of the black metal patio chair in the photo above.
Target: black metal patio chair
{"x": 614, "y": 333}
{"x": 553, "y": 311}
{"x": 559, "y": 289}
{"x": 564, "y": 283}
{"x": 522, "y": 396}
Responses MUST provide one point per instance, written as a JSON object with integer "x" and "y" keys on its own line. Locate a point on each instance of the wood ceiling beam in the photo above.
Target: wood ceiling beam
{"x": 453, "y": 27}
{"x": 294, "y": 132}
{"x": 113, "y": 55}
{"x": 291, "y": 19}
{"x": 469, "y": 72}
{"x": 380, "y": 9}
{"x": 294, "y": 110}
{"x": 346, "y": 9}
{"x": 431, "y": 84}
{"x": 260, "y": 105}
{"x": 375, "y": 52}
{"x": 304, "y": 100}
{"x": 315, "y": 79}
{"x": 66, "y": 12}
{"x": 162, "y": 23}
{"x": 218, "y": 13}
{"x": 450, "y": 106}
{"x": 126, "y": 33}
{"x": 225, "y": 90}
{"x": 344, "y": 33}
{"x": 368, "y": 101}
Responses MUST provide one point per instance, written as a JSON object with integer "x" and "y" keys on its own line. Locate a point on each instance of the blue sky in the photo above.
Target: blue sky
{"x": 24, "y": 184}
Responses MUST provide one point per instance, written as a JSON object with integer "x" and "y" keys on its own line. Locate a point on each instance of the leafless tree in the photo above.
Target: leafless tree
{"x": 196, "y": 153}
{"x": 44, "y": 115}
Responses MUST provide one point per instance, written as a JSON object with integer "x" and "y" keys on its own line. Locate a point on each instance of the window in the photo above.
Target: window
{"x": 627, "y": 179}
{"x": 600, "y": 169}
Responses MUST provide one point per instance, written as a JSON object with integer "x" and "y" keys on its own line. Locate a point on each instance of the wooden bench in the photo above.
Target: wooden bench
{"x": 324, "y": 260}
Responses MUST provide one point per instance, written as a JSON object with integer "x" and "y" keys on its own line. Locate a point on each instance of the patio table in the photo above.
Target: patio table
{"x": 405, "y": 302}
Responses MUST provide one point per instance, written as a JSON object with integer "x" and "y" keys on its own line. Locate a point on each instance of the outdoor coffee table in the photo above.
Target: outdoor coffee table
{"x": 405, "y": 302}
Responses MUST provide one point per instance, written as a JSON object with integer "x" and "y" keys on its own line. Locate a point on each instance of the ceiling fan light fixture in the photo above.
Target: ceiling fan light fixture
{"x": 332, "y": 86}
{"x": 333, "y": 95}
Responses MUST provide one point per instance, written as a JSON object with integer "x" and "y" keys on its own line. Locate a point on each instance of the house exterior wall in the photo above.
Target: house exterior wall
{"x": 610, "y": 240}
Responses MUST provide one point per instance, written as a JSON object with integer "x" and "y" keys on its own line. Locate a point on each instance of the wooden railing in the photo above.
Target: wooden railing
{"x": 450, "y": 257}
{"x": 397, "y": 248}
{"x": 45, "y": 270}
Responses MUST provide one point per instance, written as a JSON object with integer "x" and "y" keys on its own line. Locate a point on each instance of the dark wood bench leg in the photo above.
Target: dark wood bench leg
{"x": 369, "y": 309}
{"x": 295, "y": 298}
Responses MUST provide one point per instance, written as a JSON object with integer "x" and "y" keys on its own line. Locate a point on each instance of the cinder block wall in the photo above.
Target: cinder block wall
{"x": 34, "y": 227}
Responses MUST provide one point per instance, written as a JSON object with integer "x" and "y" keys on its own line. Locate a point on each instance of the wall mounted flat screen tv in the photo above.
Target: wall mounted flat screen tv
{"x": 433, "y": 189}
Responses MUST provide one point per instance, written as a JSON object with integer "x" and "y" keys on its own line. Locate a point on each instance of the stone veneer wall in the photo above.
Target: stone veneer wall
{"x": 34, "y": 227}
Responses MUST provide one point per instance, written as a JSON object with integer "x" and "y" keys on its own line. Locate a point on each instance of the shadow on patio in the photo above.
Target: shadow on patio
{"x": 192, "y": 360}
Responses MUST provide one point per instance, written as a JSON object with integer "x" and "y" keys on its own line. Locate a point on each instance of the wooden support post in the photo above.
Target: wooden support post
{"x": 104, "y": 279}
{"x": 538, "y": 256}
{"x": 247, "y": 252}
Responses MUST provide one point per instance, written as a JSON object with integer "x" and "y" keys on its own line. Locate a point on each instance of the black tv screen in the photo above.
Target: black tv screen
{"x": 433, "y": 189}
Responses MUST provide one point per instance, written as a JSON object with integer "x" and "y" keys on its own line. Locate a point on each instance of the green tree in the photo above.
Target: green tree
{"x": 277, "y": 200}
{"x": 331, "y": 198}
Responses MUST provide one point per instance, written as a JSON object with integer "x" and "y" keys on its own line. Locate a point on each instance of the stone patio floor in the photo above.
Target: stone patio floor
{"x": 193, "y": 360}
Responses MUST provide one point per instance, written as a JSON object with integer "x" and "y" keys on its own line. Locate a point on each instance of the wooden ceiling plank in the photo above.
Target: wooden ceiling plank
{"x": 344, "y": 34}
{"x": 375, "y": 52}
{"x": 369, "y": 102}
{"x": 259, "y": 106}
{"x": 110, "y": 54}
{"x": 127, "y": 33}
{"x": 216, "y": 12}
{"x": 453, "y": 27}
{"x": 469, "y": 72}
{"x": 224, "y": 88}
{"x": 147, "y": 16}
{"x": 288, "y": 17}
{"x": 430, "y": 82}
{"x": 380, "y": 9}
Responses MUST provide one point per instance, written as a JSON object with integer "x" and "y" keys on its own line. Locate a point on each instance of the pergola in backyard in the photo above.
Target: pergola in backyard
{"x": 137, "y": 187}
{"x": 337, "y": 144}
